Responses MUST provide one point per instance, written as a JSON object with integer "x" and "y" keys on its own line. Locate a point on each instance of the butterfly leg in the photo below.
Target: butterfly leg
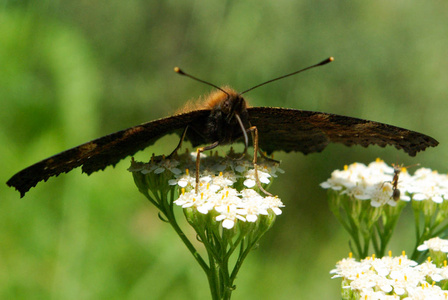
{"x": 184, "y": 133}
{"x": 254, "y": 133}
{"x": 265, "y": 156}
{"x": 198, "y": 160}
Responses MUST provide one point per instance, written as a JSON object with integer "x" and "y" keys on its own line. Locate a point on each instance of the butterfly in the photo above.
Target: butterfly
{"x": 225, "y": 118}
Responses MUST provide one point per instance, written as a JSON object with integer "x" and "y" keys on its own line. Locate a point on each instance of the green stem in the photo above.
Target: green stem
{"x": 365, "y": 251}
{"x": 354, "y": 233}
{"x": 375, "y": 235}
{"x": 243, "y": 254}
{"x": 167, "y": 209}
{"x": 227, "y": 282}
{"x": 390, "y": 221}
{"x": 443, "y": 229}
{"x": 214, "y": 279}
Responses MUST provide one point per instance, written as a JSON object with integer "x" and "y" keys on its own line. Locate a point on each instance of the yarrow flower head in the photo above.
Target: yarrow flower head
{"x": 368, "y": 181}
{"x": 372, "y": 182}
{"x": 389, "y": 278}
{"x": 438, "y": 249}
{"x": 361, "y": 196}
{"x": 434, "y": 244}
{"x": 228, "y": 207}
{"x": 228, "y": 195}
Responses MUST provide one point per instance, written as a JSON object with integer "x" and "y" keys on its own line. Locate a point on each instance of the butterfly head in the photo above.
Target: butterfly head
{"x": 228, "y": 102}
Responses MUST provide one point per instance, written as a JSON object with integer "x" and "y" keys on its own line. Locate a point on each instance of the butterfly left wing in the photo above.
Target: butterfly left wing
{"x": 309, "y": 131}
{"x": 102, "y": 152}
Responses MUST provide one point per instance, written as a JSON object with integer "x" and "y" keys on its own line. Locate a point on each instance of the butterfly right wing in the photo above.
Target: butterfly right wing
{"x": 104, "y": 151}
{"x": 310, "y": 131}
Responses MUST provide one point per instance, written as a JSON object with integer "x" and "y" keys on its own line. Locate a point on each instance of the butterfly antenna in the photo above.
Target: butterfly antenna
{"x": 179, "y": 71}
{"x": 328, "y": 60}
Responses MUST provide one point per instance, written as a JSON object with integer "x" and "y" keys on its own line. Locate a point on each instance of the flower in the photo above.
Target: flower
{"x": 223, "y": 180}
{"x": 400, "y": 277}
{"x": 375, "y": 182}
{"x": 381, "y": 195}
{"x": 250, "y": 178}
{"x": 165, "y": 164}
{"x": 253, "y": 205}
{"x": 429, "y": 185}
{"x": 221, "y": 201}
{"x": 274, "y": 203}
{"x": 371, "y": 275}
{"x": 183, "y": 180}
{"x": 219, "y": 192}
{"x": 348, "y": 268}
{"x": 435, "y": 244}
{"x": 430, "y": 270}
{"x": 228, "y": 213}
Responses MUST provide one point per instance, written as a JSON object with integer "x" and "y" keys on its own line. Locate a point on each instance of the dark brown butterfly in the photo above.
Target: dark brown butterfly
{"x": 223, "y": 119}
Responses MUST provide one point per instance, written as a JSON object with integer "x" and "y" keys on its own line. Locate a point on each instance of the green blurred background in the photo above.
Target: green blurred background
{"x": 71, "y": 71}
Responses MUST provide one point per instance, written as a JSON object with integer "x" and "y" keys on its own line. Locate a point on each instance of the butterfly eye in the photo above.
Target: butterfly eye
{"x": 226, "y": 105}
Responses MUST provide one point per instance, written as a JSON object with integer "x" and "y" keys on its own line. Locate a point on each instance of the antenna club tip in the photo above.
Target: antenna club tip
{"x": 178, "y": 70}
{"x": 328, "y": 60}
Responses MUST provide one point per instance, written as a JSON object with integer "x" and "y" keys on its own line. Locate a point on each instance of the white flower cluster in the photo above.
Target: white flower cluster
{"x": 215, "y": 193}
{"x": 391, "y": 278}
{"x": 219, "y": 186}
{"x": 434, "y": 244}
{"x": 375, "y": 182}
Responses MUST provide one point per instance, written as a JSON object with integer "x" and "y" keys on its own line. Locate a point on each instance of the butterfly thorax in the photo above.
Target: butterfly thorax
{"x": 222, "y": 125}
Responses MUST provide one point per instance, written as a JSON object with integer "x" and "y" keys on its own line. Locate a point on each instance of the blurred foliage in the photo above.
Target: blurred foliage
{"x": 76, "y": 70}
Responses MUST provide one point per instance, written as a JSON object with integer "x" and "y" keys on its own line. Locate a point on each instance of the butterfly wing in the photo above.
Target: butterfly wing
{"x": 309, "y": 131}
{"x": 279, "y": 129}
{"x": 104, "y": 151}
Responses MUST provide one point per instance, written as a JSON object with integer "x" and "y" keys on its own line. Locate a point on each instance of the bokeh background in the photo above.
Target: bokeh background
{"x": 71, "y": 71}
